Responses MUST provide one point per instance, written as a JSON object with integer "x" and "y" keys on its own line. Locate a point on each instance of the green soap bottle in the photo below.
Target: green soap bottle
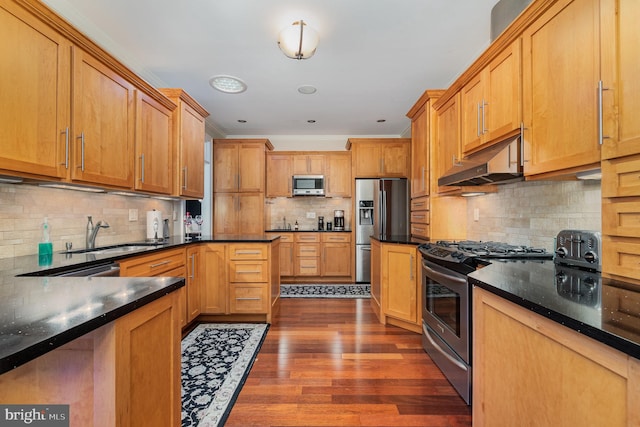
{"x": 45, "y": 247}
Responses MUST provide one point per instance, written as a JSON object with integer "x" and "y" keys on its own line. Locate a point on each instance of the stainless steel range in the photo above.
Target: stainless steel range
{"x": 446, "y": 310}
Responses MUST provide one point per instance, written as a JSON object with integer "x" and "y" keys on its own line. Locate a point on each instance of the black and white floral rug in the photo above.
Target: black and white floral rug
{"x": 216, "y": 360}
{"x": 326, "y": 291}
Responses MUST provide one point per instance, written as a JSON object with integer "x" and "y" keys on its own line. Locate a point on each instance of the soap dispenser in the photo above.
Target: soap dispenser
{"x": 45, "y": 247}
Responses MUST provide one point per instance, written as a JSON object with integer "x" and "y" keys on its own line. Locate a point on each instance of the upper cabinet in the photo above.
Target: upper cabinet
{"x": 338, "y": 174}
{"x": 35, "y": 94}
{"x": 491, "y": 102}
{"x": 154, "y": 146}
{"x": 308, "y": 164}
{"x": 561, "y": 74}
{"x": 448, "y": 150}
{"x": 279, "y": 175}
{"x": 188, "y": 139}
{"x": 239, "y": 165}
{"x": 380, "y": 157}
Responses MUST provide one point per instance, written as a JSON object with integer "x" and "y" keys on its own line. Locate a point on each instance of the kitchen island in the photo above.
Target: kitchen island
{"x": 553, "y": 354}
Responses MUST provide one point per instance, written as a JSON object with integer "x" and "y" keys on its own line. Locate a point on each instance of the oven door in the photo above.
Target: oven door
{"x": 445, "y": 310}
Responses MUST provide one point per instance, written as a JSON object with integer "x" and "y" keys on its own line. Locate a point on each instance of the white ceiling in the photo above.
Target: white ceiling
{"x": 374, "y": 59}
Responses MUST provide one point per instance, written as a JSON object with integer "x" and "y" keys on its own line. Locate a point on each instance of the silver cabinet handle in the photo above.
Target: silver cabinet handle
{"x": 247, "y": 252}
{"x": 66, "y": 148}
{"x": 522, "y": 157}
{"x": 601, "y": 136}
{"x": 159, "y": 264}
{"x": 81, "y": 138}
{"x": 478, "y": 108}
{"x": 193, "y": 267}
{"x": 249, "y": 272}
{"x": 247, "y": 299}
{"x": 142, "y": 167}
{"x": 484, "y": 128}
{"x": 184, "y": 177}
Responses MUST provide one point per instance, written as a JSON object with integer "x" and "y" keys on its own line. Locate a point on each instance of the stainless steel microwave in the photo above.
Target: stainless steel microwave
{"x": 308, "y": 185}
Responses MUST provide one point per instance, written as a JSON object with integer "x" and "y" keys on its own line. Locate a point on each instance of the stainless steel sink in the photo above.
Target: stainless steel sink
{"x": 115, "y": 249}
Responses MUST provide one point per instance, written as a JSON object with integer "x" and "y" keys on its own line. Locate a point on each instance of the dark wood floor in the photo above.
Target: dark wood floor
{"x": 329, "y": 362}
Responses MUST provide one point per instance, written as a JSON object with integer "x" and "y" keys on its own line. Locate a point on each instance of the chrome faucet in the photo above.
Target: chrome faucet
{"x": 93, "y": 231}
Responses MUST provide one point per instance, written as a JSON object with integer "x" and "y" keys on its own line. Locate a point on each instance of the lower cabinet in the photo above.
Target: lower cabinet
{"x": 398, "y": 273}
{"x": 193, "y": 283}
{"x": 214, "y": 272}
{"x": 527, "y": 367}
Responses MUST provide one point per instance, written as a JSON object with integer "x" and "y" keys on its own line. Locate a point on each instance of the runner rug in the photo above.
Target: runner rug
{"x": 325, "y": 291}
{"x": 216, "y": 360}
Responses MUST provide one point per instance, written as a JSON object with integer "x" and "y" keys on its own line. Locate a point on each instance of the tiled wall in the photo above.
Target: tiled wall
{"x": 532, "y": 213}
{"x": 296, "y": 208}
{"x": 23, "y": 208}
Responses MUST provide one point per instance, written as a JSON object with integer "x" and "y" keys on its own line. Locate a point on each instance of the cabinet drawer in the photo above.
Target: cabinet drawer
{"x": 621, "y": 219}
{"x": 307, "y": 267}
{"x": 420, "y": 217}
{"x": 621, "y": 257}
{"x": 247, "y": 251}
{"x": 336, "y": 237}
{"x": 307, "y": 237}
{"x": 621, "y": 177}
{"x": 249, "y": 298}
{"x": 308, "y": 250}
{"x": 286, "y": 237}
{"x": 420, "y": 230}
{"x": 248, "y": 271}
{"x": 420, "y": 203}
{"x": 156, "y": 264}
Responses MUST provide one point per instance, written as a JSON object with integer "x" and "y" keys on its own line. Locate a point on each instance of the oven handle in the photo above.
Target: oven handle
{"x": 444, "y": 353}
{"x": 442, "y": 277}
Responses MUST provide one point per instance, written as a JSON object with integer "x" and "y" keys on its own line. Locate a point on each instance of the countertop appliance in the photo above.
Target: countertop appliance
{"x": 446, "y": 300}
{"x": 338, "y": 220}
{"x": 383, "y": 210}
{"x": 308, "y": 185}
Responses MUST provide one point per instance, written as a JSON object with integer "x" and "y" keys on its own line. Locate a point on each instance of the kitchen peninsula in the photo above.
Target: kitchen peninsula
{"x": 110, "y": 347}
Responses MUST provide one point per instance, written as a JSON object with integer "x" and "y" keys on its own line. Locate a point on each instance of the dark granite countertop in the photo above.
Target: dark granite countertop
{"x": 608, "y": 313}
{"x": 39, "y": 313}
{"x": 306, "y": 231}
{"x": 398, "y": 239}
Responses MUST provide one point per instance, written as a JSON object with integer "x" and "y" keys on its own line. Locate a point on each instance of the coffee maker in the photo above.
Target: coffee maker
{"x": 338, "y": 220}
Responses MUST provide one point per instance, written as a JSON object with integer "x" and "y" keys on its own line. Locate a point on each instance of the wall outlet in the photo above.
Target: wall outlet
{"x": 311, "y": 215}
{"x": 133, "y": 214}
{"x": 476, "y": 214}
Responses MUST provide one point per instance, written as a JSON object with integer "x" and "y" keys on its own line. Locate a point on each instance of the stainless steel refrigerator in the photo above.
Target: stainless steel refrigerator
{"x": 382, "y": 209}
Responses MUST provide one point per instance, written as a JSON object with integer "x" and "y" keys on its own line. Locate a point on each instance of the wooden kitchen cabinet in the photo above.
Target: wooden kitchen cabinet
{"x": 400, "y": 281}
{"x": 188, "y": 139}
{"x": 491, "y": 102}
{"x": 308, "y": 164}
{"x": 448, "y": 146}
{"x": 561, "y": 70}
{"x": 238, "y": 213}
{"x": 279, "y": 175}
{"x": 307, "y": 249}
{"x": 239, "y": 165}
{"x": 420, "y": 217}
{"x": 380, "y": 157}
{"x": 527, "y": 367}
{"x": 248, "y": 278}
{"x": 103, "y": 114}
{"x": 338, "y": 182}
{"x": 154, "y": 146}
{"x": 194, "y": 281}
{"x": 336, "y": 255}
{"x": 35, "y": 127}
{"x": 214, "y": 274}
{"x": 287, "y": 254}
{"x": 376, "y": 277}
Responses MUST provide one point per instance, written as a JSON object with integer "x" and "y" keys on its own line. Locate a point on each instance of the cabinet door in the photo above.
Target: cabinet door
{"x": 225, "y": 217}
{"x": 471, "y": 105}
{"x": 376, "y": 267}
{"x": 420, "y": 154}
{"x": 191, "y": 143}
{"x": 448, "y": 147}
{"x": 278, "y": 175}
{"x": 250, "y": 213}
{"x": 251, "y": 160}
{"x": 338, "y": 175}
{"x": 561, "y": 70}
{"x": 214, "y": 279}
{"x": 396, "y": 160}
{"x": 336, "y": 259}
{"x": 153, "y": 146}
{"x": 399, "y": 282}
{"x": 35, "y": 107}
{"x": 225, "y": 168}
{"x": 308, "y": 164}
{"x": 286, "y": 259}
{"x": 621, "y": 62}
{"x": 103, "y": 114}
{"x": 367, "y": 159}
{"x": 194, "y": 282}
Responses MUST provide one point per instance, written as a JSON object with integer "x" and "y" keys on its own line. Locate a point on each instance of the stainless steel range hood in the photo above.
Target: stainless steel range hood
{"x": 498, "y": 164}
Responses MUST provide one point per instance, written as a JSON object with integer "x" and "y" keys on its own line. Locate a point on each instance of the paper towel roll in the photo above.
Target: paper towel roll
{"x": 154, "y": 224}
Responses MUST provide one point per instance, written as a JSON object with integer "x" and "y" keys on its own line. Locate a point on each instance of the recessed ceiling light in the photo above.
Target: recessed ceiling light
{"x": 381, "y": 120}
{"x": 228, "y": 84}
{"x": 307, "y": 90}
{"x": 242, "y": 121}
{"x": 311, "y": 121}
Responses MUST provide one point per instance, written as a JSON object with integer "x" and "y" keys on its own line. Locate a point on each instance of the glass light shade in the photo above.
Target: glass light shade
{"x": 298, "y": 41}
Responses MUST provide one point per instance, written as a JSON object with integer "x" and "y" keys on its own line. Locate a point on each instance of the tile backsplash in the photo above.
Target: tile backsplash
{"x": 24, "y": 207}
{"x": 296, "y": 209}
{"x": 532, "y": 213}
